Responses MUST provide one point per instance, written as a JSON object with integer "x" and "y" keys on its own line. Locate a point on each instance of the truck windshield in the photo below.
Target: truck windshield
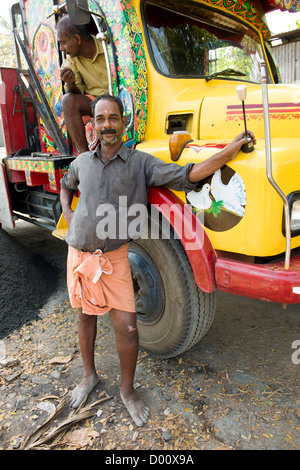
{"x": 198, "y": 42}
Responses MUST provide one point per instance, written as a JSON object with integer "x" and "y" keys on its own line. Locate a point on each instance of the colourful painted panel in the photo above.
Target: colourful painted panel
{"x": 30, "y": 167}
{"x": 129, "y": 67}
{"x": 248, "y": 10}
{"x": 47, "y": 173}
{"x": 129, "y": 74}
{"x": 278, "y": 111}
{"x": 290, "y": 5}
{"x": 45, "y": 59}
{"x": 219, "y": 200}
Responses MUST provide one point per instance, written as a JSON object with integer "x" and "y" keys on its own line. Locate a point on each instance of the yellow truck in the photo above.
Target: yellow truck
{"x": 191, "y": 75}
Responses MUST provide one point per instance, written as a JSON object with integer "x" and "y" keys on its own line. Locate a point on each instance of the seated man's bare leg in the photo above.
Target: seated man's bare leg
{"x": 76, "y": 105}
{"x": 87, "y": 329}
{"x": 127, "y": 346}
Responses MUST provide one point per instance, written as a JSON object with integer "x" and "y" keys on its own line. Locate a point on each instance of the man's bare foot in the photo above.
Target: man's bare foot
{"x": 136, "y": 408}
{"x": 84, "y": 388}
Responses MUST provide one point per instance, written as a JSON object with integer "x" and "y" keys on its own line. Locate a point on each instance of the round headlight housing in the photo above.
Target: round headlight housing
{"x": 294, "y": 201}
{"x": 295, "y": 216}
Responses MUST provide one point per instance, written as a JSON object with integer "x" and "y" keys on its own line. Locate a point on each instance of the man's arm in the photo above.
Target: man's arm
{"x": 206, "y": 168}
{"x": 66, "y": 198}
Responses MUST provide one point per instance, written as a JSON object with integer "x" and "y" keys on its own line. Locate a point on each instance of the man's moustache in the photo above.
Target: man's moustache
{"x": 107, "y": 131}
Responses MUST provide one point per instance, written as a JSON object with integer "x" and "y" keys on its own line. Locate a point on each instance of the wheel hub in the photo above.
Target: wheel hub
{"x": 148, "y": 286}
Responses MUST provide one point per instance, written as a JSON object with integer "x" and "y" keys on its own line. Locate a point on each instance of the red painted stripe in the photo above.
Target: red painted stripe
{"x": 260, "y": 111}
{"x": 271, "y": 105}
{"x": 216, "y": 146}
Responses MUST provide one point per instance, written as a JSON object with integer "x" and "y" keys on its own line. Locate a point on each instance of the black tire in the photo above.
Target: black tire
{"x": 173, "y": 314}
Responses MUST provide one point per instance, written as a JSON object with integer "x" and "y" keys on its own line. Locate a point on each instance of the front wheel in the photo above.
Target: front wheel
{"x": 173, "y": 314}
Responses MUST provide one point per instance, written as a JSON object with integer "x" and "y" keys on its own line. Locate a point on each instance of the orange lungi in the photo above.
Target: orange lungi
{"x": 98, "y": 282}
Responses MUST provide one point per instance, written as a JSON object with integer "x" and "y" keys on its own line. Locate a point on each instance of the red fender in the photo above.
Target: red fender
{"x": 191, "y": 233}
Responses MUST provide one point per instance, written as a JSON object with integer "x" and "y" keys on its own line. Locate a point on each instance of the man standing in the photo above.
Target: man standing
{"x": 85, "y": 76}
{"x": 99, "y": 278}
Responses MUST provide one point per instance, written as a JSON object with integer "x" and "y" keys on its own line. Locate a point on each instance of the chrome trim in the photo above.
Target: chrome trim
{"x": 269, "y": 164}
{"x": 104, "y": 41}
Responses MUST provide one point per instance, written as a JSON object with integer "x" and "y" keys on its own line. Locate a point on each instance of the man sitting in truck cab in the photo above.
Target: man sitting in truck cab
{"x": 85, "y": 76}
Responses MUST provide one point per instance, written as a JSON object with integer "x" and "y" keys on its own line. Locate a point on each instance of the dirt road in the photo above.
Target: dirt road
{"x": 237, "y": 389}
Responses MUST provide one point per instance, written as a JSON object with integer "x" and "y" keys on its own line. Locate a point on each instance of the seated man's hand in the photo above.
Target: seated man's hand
{"x": 67, "y": 75}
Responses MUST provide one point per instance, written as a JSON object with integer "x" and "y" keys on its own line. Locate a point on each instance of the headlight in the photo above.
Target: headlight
{"x": 294, "y": 201}
{"x": 295, "y": 216}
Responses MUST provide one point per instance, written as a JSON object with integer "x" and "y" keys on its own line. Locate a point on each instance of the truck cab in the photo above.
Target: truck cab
{"x": 178, "y": 68}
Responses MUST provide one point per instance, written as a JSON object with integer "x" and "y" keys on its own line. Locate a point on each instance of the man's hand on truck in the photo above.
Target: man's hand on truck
{"x": 206, "y": 168}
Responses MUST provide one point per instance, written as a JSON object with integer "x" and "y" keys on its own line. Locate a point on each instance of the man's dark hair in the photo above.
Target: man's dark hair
{"x": 116, "y": 99}
{"x": 69, "y": 29}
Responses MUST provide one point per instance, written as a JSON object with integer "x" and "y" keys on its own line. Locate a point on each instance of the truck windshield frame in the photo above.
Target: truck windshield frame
{"x": 198, "y": 42}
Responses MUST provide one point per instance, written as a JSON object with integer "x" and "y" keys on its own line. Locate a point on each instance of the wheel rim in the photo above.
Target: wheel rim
{"x": 148, "y": 286}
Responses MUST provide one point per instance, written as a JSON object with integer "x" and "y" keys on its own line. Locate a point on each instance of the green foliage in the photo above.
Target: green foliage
{"x": 7, "y": 54}
{"x": 216, "y": 207}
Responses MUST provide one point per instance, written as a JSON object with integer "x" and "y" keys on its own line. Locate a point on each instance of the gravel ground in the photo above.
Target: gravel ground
{"x": 238, "y": 389}
{"x": 27, "y": 280}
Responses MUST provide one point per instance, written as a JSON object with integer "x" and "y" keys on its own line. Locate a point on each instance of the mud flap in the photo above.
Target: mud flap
{"x": 62, "y": 226}
{"x": 6, "y": 213}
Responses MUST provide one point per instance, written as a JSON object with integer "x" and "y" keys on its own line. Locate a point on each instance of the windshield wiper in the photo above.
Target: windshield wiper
{"x": 226, "y": 73}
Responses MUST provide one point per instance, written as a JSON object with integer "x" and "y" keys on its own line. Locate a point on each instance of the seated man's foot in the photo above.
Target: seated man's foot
{"x": 83, "y": 389}
{"x": 138, "y": 411}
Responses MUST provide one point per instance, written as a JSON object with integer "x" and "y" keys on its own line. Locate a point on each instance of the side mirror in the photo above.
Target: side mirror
{"x": 241, "y": 91}
{"x": 78, "y": 11}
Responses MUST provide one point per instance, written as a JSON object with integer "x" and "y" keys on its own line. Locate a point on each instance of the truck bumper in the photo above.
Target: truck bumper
{"x": 271, "y": 282}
